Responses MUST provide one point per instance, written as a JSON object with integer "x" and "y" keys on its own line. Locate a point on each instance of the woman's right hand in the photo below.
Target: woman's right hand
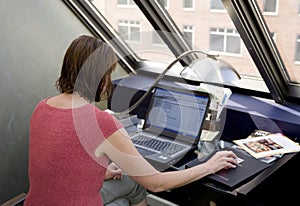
{"x": 224, "y": 159}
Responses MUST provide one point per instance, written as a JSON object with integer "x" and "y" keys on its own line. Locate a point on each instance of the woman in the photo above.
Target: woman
{"x": 72, "y": 141}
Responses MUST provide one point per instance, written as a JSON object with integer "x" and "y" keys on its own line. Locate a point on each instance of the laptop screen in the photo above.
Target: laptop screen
{"x": 177, "y": 112}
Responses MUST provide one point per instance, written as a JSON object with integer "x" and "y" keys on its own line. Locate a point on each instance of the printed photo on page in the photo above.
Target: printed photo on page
{"x": 268, "y": 145}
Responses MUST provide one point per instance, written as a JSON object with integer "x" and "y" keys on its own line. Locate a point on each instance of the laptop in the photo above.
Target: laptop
{"x": 172, "y": 126}
{"x": 247, "y": 168}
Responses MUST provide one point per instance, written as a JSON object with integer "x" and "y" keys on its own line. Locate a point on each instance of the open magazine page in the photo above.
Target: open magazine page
{"x": 268, "y": 159}
{"x": 268, "y": 145}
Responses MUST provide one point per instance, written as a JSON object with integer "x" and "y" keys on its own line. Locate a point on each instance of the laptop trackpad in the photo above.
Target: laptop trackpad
{"x": 144, "y": 152}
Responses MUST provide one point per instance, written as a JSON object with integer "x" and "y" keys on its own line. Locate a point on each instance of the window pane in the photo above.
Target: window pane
{"x": 216, "y": 4}
{"x": 156, "y": 39}
{"x": 297, "y": 55}
{"x": 233, "y": 45}
{"x": 135, "y": 34}
{"x": 287, "y": 27}
{"x": 270, "y": 5}
{"x": 188, "y": 3}
{"x": 188, "y": 32}
{"x": 212, "y": 32}
{"x": 216, "y": 43}
{"x": 135, "y": 29}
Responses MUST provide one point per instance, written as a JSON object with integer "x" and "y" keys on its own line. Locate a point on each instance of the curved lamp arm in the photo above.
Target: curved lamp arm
{"x": 155, "y": 83}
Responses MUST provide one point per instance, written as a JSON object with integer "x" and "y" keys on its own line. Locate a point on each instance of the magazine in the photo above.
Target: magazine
{"x": 268, "y": 159}
{"x": 267, "y": 145}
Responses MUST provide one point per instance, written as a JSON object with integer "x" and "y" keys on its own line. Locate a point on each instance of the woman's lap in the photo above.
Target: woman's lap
{"x": 117, "y": 192}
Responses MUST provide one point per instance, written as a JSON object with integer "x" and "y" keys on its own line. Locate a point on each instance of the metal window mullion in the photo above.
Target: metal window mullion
{"x": 100, "y": 28}
{"x": 162, "y": 21}
{"x": 252, "y": 31}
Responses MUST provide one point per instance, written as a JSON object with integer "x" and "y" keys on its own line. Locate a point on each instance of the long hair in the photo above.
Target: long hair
{"x": 86, "y": 69}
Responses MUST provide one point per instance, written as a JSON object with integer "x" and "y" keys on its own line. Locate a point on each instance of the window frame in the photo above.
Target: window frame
{"x": 192, "y": 8}
{"x": 297, "y": 53}
{"x": 225, "y": 35}
{"x": 251, "y": 25}
{"x": 244, "y": 14}
{"x": 101, "y": 28}
{"x": 271, "y": 13}
{"x": 129, "y": 26}
{"x": 191, "y": 30}
{"x": 223, "y": 10}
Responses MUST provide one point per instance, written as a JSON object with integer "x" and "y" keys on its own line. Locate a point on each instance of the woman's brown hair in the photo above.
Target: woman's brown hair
{"x": 86, "y": 69}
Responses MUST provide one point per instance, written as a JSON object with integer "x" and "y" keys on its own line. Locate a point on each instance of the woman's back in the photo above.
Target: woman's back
{"x": 61, "y": 172}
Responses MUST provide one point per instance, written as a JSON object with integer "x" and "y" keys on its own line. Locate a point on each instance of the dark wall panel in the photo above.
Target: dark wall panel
{"x": 34, "y": 36}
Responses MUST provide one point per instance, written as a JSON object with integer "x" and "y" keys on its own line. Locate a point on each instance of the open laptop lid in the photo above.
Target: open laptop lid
{"x": 177, "y": 113}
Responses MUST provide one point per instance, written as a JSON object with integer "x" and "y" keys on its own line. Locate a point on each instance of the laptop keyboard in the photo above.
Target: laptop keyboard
{"x": 165, "y": 147}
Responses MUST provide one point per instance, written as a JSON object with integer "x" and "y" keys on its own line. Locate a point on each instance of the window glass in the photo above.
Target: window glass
{"x": 188, "y": 32}
{"x": 270, "y": 6}
{"x": 216, "y": 5}
{"x": 165, "y": 3}
{"x": 286, "y": 24}
{"x": 297, "y": 53}
{"x": 225, "y": 41}
{"x": 129, "y": 30}
{"x": 210, "y": 31}
{"x": 132, "y": 26}
{"x": 215, "y": 33}
{"x": 188, "y": 4}
{"x": 125, "y": 2}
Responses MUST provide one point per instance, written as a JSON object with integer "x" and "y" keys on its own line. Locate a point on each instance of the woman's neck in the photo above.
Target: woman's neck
{"x": 65, "y": 101}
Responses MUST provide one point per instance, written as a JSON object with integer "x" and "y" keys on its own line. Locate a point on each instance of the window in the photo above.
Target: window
{"x": 188, "y": 32}
{"x": 125, "y": 3}
{"x": 225, "y": 41}
{"x": 270, "y": 6}
{"x": 188, "y": 4}
{"x": 287, "y": 26}
{"x": 210, "y": 30}
{"x": 165, "y": 3}
{"x": 156, "y": 39}
{"x": 273, "y": 36}
{"x": 144, "y": 42}
{"x": 297, "y": 53}
{"x": 216, "y": 5}
{"x": 130, "y": 30}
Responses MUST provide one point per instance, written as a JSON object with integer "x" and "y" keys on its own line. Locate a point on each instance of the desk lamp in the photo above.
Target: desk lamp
{"x": 209, "y": 69}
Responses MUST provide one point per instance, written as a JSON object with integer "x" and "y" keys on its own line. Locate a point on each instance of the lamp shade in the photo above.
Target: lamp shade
{"x": 210, "y": 70}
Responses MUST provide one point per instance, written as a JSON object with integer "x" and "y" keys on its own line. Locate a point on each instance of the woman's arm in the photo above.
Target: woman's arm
{"x": 120, "y": 149}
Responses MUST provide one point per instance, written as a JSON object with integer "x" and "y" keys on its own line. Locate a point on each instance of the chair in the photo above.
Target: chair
{"x": 15, "y": 201}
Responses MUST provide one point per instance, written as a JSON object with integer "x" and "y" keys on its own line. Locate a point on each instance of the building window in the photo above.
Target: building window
{"x": 130, "y": 30}
{"x": 270, "y": 6}
{"x": 225, "y": 41}
{"x": 165, "y": 3}
{"x": 273, "y": 36}
{"x": 188, "y": 4}
{"x": 125, "y": 2}
{"x": 297, "y": 54}
{"x": 156, "y": 39}
{"x": 216, "y": 5}
{"x": 188, "y": 32}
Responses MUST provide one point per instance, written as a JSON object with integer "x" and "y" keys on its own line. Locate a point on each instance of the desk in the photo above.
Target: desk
{"x": 278, "y": 181}
{"x": 273, "y": 186}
